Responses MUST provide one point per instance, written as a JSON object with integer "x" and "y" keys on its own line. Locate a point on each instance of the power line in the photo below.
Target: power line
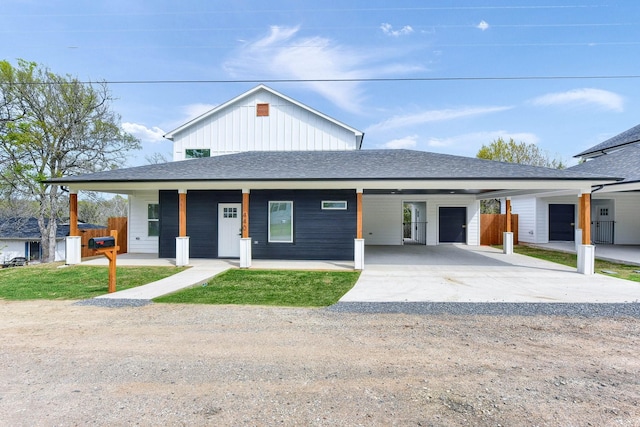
{"x": 332, "y": 10}
{"x": 315, "y": 28}
{"x": 317, "y": 46}
{"x": 349, "y": 80}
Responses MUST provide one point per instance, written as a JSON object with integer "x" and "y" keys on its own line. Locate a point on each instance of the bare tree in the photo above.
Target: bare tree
{"x": 156, "y": 158}
{"x": 96, "y": 209}
{"x": 54, "y": 126}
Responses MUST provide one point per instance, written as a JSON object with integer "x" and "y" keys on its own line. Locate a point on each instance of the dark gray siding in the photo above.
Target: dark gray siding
{"x": 317, "y": 234}
{"x": 168, "y": 223}
{"x": 202, "y": 221}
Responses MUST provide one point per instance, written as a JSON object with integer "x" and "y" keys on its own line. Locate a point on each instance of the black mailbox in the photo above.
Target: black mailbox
{"x": 102, "y": 242}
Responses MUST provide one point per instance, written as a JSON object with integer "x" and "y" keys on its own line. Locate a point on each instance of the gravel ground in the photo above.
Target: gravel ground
{"x": 69, "y": 364}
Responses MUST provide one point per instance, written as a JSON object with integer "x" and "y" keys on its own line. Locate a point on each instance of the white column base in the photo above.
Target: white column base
{"x": 507, "y": 243}
{"x": 578, "y": 241}
{"x": 358, "y": 256}
{"x": 586, "y": 259}
{"x": 245, "y": 252}
{"x": 74, "y": 250}
{"x": 182, "y": 251}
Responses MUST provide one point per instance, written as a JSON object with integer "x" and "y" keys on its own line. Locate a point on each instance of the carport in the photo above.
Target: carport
{"x": 462, "y": 273}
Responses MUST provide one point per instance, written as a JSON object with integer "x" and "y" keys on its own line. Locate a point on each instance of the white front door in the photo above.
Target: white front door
{"x": 229, "y": 229}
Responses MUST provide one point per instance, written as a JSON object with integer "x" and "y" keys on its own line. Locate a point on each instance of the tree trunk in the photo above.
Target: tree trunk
{"x": 48, "y": 223}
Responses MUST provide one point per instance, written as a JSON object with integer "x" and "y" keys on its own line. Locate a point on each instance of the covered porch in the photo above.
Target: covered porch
{"x": 321, "y": 205}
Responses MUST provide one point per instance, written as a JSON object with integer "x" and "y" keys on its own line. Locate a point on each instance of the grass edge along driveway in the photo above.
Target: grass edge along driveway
{"x": 613, "y": 269}
{"x": 54, "y": 282}
{"x": 289, "y": 288}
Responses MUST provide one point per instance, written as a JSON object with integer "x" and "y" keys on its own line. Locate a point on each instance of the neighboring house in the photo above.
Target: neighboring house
{"x": 284, "y": 181}
{"x": 614, "y": 206}
{"x": 21, "y": 237}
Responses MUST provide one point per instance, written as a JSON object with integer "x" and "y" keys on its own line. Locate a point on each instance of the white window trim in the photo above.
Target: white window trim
{"x": 334, "y": 208}
{"x": 153, "y": 219}
{"x": 269, "y": 222}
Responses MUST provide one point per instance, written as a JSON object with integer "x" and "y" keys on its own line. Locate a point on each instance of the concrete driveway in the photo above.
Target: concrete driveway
{"x": 460, "y": 273}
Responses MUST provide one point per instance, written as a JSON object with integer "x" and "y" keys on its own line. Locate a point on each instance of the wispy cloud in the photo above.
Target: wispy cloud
{"x": 433, "y": 116}
{"x": 388, "y": 30}
{"x": 406, "y": 142}
{"x": 192, "y": 111}
{"x": 283, "y": 54}
{"x": 483, "y": 25}
{"x": 580, "y": 97}
{"x": 477, "y": 139}
{"x": 145, "y": 134}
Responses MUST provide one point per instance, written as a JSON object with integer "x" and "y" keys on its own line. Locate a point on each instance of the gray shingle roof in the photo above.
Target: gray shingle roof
{"x": 627, "y": 137}
{"x": 329, "y": 165}
{"x": 624, "y": 163}
{"x": 27, "y": 228}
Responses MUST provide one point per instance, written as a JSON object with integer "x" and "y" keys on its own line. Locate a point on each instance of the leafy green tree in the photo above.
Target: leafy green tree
{"x": 521, "y": 152}
{"x": 513, "y": 152}
{"x": 51, "y": 126}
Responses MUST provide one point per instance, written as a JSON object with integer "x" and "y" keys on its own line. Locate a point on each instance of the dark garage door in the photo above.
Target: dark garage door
{"x": 453, "y": 223}
{"x": 561, "y": 222}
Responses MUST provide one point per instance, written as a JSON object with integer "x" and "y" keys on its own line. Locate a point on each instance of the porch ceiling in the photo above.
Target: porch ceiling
{"x": 430, "y": 191}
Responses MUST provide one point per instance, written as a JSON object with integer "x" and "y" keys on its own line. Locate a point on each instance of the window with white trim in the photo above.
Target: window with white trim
{"x": 196, "y": 153}
{"x": 281, "y": 222}
{"x": 334, "y": 205}
{"x": 153, "y": 219}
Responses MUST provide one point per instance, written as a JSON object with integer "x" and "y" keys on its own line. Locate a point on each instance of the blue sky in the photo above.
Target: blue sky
{"x": 475, "y": 44}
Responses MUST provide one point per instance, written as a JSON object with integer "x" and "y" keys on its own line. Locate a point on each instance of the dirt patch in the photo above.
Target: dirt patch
{"x": 62, "y": 364}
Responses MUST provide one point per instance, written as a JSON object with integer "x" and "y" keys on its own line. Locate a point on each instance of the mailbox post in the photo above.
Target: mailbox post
{"x": 108, "y": 246}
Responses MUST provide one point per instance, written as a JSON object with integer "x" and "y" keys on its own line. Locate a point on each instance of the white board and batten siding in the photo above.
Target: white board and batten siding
{"x": 382, "y": 217}
{"x": 139, "y": 241}
{"x": 527, "y": 213}
{"x": 237, "y": 128}
{"x": 533, "y": 216}
{"x": 627, "y": 219}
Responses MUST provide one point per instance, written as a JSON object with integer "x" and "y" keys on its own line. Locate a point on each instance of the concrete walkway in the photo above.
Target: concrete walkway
{"x": 452, "y": 273}
{"x": 199, "y": 273}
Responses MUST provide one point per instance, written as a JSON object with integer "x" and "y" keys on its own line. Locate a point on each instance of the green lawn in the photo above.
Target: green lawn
{"x": 47, "y": 281}
{"x": 269, "y": 287}
{"x": 623, "y": 271}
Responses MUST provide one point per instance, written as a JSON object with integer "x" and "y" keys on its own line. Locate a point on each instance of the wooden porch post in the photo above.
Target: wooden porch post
{"x": 245, "y": 240}
{"x": 507, "y": 236}
{"x": 73, "y": 214}
{"x": 585, "y": 218}
{"x": 182, "y": 215}
{"x": 245, "y": 215}
{"x": 73, "y": 242}
{"x": 182, "y": 240}
{"x": 586, "y": 251}
{"x": 358, "y": 252}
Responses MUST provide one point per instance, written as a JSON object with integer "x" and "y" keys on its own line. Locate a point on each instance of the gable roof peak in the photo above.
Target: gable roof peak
{"x": 262, "y": 87}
